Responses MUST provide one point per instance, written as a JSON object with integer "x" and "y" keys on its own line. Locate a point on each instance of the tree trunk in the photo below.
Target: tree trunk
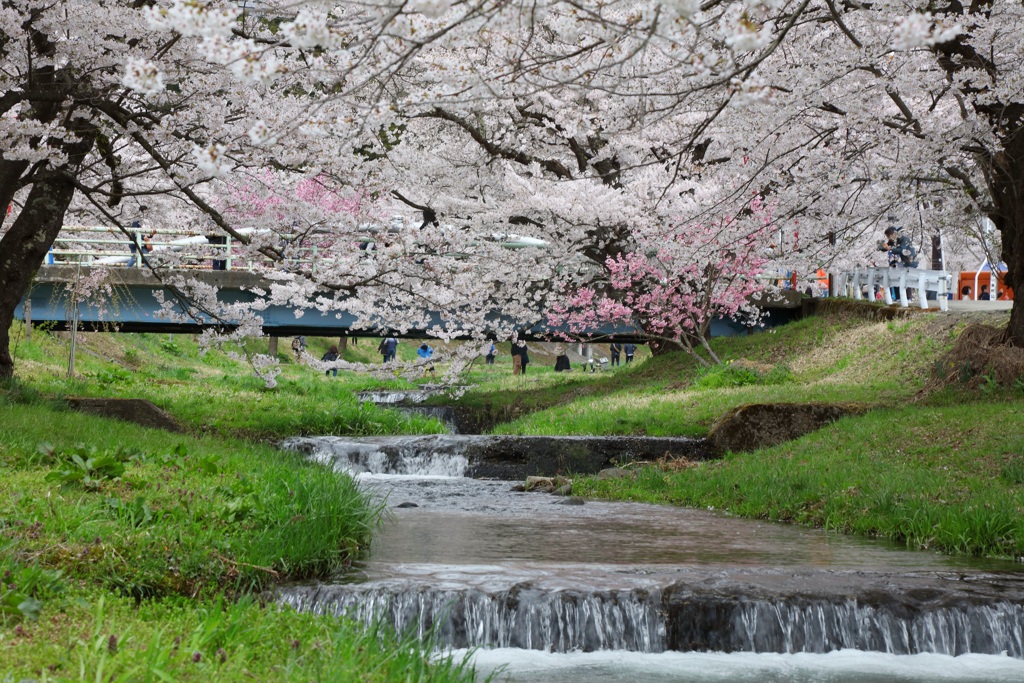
{"x": 272, "y": 347}
{"x": 342, "y": 344}
{"x": 1007, "y": 187}
{"x": 10, "y": 177}
{"x": 23, "y": 249}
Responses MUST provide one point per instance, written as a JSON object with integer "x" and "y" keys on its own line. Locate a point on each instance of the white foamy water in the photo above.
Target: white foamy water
{"x": 369, "y": 456}
{"x": 843, "y": 666}
{"x": 631, "y": 593}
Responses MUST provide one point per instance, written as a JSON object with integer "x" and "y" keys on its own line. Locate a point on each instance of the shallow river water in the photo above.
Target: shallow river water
{"x": 549, "y": 591}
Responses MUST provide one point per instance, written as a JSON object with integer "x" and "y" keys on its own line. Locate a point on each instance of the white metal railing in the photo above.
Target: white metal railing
{"x": 106, "y": 246}
{"x": 109, "y": 247}
{"x": 861, "y": 284}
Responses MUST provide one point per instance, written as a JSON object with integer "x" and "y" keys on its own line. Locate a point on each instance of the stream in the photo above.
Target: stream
{"x": 548, "y": 589}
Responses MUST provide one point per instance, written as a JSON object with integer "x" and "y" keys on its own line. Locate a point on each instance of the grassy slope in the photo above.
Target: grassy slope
{"x": 187, "y": 516}
{"x": 107, "y": 638}
{"x": 191, "y": 518}
{"x": 828, "y": 360}
{"x": 949, "y": 478}
{"x": 214, "y": 393}
{"x": 941, "y": 470}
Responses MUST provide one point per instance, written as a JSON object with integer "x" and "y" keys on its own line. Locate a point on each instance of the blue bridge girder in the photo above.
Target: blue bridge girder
{"x": 136, "y": 305}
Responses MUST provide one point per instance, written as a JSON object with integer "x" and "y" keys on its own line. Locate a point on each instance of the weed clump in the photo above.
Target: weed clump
{"x": 1013, "y": 472}
{"x": 741, "y": 373}
{"x": 980, "y": 359}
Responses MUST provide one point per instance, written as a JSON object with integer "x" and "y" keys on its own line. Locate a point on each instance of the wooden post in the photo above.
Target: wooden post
{"x": 273, "y": 347}
{"x": 74, "y": 340}
{"x": 28, "y": 318}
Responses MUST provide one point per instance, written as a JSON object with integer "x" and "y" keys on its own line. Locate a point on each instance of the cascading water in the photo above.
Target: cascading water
{"x": 423, "y": 456}
{"x": 479, "y": 566}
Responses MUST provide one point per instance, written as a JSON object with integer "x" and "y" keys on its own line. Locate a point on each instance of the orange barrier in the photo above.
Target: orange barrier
{"x": 986, "y": 278}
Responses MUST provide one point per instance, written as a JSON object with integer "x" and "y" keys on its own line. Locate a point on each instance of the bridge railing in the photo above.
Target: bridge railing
{"x": 109, "y": 247}
{"x": 861, "y": 284}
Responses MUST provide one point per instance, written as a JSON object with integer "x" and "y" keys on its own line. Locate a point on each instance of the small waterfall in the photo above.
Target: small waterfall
{"x": 822, "y": 626}
{"x": 521, "y": 617}
{"x": 387, "y": 397}
{"x": 652, "y": 620}
{"x": 413, "y": 456}
{"x": 491, "y": 457}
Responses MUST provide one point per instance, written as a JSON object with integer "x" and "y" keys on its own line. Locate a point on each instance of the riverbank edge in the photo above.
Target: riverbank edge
{"x": 935, "y": 468}
{"x": 140, "y": 600}
{"x": 943, "y": 478}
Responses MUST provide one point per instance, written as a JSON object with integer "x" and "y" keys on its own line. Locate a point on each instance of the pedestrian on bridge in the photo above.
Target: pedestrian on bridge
{"x": 220, "y": 261}
{"x": 136, "y": 249}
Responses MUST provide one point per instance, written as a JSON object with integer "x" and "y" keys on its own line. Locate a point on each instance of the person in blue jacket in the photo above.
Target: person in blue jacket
{"x": 426, "y": 352}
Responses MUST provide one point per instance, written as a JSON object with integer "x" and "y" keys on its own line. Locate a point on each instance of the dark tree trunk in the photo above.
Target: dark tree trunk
{"x": 23, "y": 249}
{"x": 10, "y": 177}
{"x": 1007, "y": 188}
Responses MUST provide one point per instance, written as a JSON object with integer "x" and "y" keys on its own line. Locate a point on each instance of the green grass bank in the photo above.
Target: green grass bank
{"x": 937, "y": 469}
{"x": 133, "y": 554}
{"x": 130, "y": 557}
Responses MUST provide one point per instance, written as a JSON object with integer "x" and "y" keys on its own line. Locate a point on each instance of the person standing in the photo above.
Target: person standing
{"x": 630, "y": 349}
{"x": 425, "y": 352}
{"x": 561, "y": 359}
{"x": 330, "y": 357}
{"x": 520, "y": 358}
{"x": 491, "y": 351}
{"x": 616, "y": 349}
{"x": 388, "y": 348}
{"x": 133, "y": 245}
{"x": 220, "y": 259}
{"x": 299, "y": 346}
{"x": 139, "y": 245}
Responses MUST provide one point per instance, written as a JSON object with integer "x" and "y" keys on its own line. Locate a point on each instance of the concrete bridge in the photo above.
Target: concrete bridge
{"x": 136, "y": 305}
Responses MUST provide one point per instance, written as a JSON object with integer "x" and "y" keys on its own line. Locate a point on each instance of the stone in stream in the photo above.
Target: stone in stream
{"x": 570, "y": 501}
{"x": 548, "y": 485}
{"x": 407, "y": 504}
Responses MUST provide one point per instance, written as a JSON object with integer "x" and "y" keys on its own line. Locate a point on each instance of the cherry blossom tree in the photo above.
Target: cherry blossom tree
{"x": 677, "y": 283}
{"x": 599, "y": 128}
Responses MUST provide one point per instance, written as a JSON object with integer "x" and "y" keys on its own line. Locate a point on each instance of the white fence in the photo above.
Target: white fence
{"x": 107, "y": 246}
{"x": 861, "y": 283}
